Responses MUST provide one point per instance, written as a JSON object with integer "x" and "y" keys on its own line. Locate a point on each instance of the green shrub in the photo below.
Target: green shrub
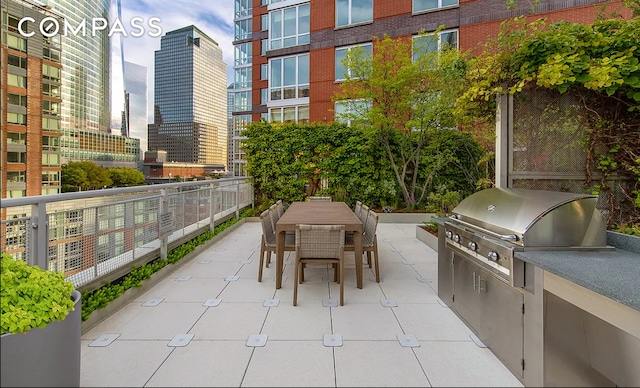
{"x": 32, "y": 297}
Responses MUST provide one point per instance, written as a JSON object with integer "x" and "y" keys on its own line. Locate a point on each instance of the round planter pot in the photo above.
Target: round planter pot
{"x": 44, "y": 357}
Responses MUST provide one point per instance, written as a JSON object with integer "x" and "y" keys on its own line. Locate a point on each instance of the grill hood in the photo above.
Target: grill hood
{"x": 535, "y": 218}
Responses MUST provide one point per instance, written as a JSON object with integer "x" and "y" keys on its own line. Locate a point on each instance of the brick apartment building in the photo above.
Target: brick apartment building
{"x": 288, "y": 51}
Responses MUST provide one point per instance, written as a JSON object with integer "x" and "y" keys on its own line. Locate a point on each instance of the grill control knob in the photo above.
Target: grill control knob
{"x": 472, "y": 245}
{"x": 456, "y": 238}
{"x": 449, "y": 234}
{"x": 493, "y": 256}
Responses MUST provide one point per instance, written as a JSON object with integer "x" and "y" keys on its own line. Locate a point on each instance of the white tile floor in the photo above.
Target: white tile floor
{"x": 221, "y": 353}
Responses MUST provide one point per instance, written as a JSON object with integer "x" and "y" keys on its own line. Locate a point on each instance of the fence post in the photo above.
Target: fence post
{"x": 164, "y": 236}
{"x": 212, "y": 211}
{"x": 40, "y": 240}
{"x": 237, "y": 199}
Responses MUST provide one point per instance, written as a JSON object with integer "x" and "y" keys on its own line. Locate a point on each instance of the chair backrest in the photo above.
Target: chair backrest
{"x": 319, "y": 198}
{"x": 280, "y": 207}
{"x": 364, "y": 213}
{"x": 319, "y": 241}
{"x": 267, "y": 228}
{"x": 358, "y": 208}
{"x": 274, "y": 215}
{"x": 370, "y": 229}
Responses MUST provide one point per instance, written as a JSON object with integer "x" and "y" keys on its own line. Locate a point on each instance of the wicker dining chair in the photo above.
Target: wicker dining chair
{"x": 369, "y": 242}
{"x": 321, "y": 244}
{"x": 280, "y": 207}
{"x": 268, "y": 242}
{"x": 358, "y": 208}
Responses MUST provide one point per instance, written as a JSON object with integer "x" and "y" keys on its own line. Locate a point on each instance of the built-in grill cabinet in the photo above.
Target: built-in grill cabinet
{"x": 478, "y": 274}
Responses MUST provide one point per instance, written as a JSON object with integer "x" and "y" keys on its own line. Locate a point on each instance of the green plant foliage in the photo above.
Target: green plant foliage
{"x": 408, "y": 99}
{"x": 102, "y": 296}
{"x": 289, "y": 161}
{"x": 597, "y": 63}
{"x": 32, "y": 297}
{"x": 123, "y": 176}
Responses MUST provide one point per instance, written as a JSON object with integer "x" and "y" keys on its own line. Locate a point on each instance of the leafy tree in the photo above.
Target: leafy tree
{"x": 84, "y": 175}
{"x": 405, "y": 101}
{"x": 123, "y": 176}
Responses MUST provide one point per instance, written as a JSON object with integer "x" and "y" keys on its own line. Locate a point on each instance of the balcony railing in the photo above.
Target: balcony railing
{"x": 99, "y": 235}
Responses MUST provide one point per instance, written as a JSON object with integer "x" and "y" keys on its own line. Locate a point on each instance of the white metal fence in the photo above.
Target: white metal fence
{"x": 89, "y": 235}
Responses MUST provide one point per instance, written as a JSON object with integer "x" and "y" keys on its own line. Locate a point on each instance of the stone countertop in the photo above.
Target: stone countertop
{"x": 612, "y": 273}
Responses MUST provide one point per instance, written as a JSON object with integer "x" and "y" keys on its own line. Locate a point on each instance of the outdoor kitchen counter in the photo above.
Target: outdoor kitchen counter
{"x": 614, "y": 274}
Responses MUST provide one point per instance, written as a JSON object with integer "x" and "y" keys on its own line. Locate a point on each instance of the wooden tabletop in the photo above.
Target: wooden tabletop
{"x": 319, "y": 213}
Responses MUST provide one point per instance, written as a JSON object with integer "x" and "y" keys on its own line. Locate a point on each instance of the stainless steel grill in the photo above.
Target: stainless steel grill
{"x": 491, "y": 225}
{"x": 479, "y": 275}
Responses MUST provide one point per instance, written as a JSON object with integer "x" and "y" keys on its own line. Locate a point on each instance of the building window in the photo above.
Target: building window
{"x": 16, "y": 80}
{"x": 50, "y": 108}
{"x": 17, "y": 99}
{"x": 264, "y": 43}
{"x": 51, "y": 90}
{"x": 51, "y": 124}
{"x": 264, "y": 22}
{"x": 50, "y": 159}
{"x": 243, "y": 54}
{"x": 16, "y": 176}
{"x": 350, "y": 12}
{"x": 289, "y": 27}
{"x": 428, "y": 43}
{"x": 50, "y": 72}
{"x": 299, "y": 114}
{"x": 264, "y": 71}
{"x": 16, "y": 157}
{"x": 289, "y": 77}
{"x": 50, "y": 178}
{"x": 16, "y": 118}
{"x": 51, "y": 143}
{"x": 15, "y": 42}
{"x": 426, "y": 5}
{"x": 264, "y": 96}
{"x": 17, "y": 61}
{"x": 51, "y": 54}
{"x": 242, "y": 77}
{"x": 243, "y": 29}
{"x": 348, "y": 110}
{"x": 343, "y": 71}
{"x": 16, "y": 138}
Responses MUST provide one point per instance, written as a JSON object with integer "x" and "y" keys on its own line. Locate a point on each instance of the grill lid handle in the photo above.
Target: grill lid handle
{"x": 508, "y": 237}
{"x": 504, "y": 237}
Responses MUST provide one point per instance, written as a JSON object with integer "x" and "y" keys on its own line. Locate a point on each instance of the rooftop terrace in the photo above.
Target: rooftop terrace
{"x": 392, "y": 333}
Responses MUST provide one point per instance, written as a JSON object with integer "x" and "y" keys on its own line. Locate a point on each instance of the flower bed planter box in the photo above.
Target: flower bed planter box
{"x": 426, "y": 237}
{"x": 47, "y": 357}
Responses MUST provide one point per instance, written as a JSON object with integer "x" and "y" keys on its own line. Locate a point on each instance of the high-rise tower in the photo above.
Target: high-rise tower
{"x": 190, "y": 98}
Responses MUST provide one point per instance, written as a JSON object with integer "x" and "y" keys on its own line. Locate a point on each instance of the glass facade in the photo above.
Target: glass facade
{"x": 190, "y": 97}
{"x": 85, "y": 67}
{"x": 135, "y": 109}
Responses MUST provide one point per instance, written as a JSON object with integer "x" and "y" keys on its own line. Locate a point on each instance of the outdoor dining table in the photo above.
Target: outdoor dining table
{"x": 318, "y": 213}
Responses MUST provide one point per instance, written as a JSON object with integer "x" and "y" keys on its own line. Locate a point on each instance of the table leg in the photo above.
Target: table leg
{"x": 357, "y": 250}
{"x": 279, "y": 258}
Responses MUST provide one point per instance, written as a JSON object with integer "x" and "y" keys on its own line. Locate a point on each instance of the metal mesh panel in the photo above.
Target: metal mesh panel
{"x": 16, "y": 234}
{"x": 548, "y": 149}
{"x": 548, "y": 134}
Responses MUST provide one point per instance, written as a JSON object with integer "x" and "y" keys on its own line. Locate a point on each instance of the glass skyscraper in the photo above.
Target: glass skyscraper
{"x": 134, "y": 123}
{"x": 190, "y": 99}
{"x": 85, "y": 67}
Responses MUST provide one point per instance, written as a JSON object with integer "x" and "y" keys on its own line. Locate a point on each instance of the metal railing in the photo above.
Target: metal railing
{"x": 99, "y": 235}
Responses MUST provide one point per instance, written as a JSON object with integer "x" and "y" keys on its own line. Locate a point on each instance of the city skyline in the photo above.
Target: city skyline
{"x": 214, "y": 18}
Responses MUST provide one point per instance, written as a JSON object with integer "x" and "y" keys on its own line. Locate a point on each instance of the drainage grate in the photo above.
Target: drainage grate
{"x": 180, "y": 340}
{"x": 232, "y": 278}
{"x": 271, "y": 302}
{"x": 389, "y": 303}
{"x": 153, "y": 302}
{"x": 332, "y": 340}
{"x": 212, "y": 302}
{"x": 408, "y": 340}
{"x": 330, "y": 302}
{"x": 257, "y": 340}
{"x": 183, "y": 278}
{"x": 104, "y": 340}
